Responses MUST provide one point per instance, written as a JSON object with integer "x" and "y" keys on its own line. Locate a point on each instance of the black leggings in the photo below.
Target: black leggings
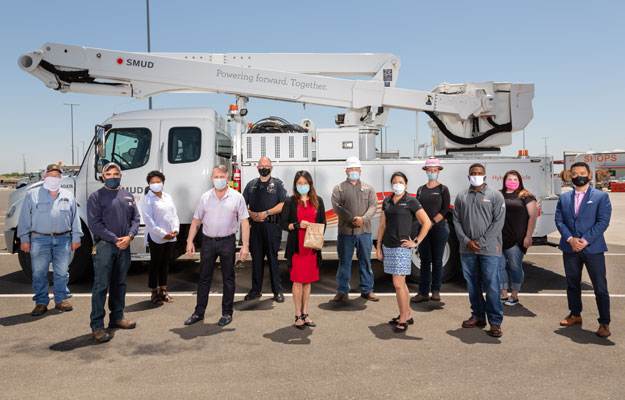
{"x": 160, "y": 256}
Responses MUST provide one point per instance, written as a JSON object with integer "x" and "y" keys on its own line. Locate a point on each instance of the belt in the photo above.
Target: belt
{"x": 217, "y": 239}
{"x": 51, "y": 234}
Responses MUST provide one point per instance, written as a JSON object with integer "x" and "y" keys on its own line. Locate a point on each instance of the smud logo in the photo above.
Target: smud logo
{"x": 130, "y": 62}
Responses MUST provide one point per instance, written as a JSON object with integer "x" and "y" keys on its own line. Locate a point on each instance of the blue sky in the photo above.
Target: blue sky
{"x": 573, "y": 51}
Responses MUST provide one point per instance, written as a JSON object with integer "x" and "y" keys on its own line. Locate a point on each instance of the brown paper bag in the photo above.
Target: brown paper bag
{"x": 314, "y": 236}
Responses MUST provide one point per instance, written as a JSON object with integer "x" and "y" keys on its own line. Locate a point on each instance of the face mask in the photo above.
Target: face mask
{"x": 580, "y": 180}
{"x": 112, "y": 183}
{"x": 432, "y": 176}
{"x": 156, "y": 187}
{"x": 399, "y": 188}
{"x": 477, "y": 180}
{"x": 219, "y": 183}
{"x": 512, "y": 185}
{"x": 264, "y": 172}
{"x": 51, "y": 183}
{"x": 303, "y": 189}
{"x": 354, "y": 175}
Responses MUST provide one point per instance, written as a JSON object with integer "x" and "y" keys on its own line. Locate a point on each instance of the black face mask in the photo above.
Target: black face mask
{"x": 580, "y": 180}
{"x": 264, "y": 171}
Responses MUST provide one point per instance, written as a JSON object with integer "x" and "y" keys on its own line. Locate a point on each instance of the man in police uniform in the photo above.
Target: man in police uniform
{"x": 265, "y": 197}
{"x": 49, "y": 229}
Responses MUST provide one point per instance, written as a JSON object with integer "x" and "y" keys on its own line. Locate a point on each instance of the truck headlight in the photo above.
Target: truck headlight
{"x": 11, "y": 212}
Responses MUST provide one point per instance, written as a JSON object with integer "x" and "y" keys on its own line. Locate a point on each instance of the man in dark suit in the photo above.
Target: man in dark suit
{"x": 582, "y": 216}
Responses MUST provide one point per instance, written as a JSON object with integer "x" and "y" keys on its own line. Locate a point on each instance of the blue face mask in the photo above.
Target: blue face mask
{"x": 303, "y": 189}
{"x": 432, "y": 176}
{"x": 354, "y": 175}
{"x": 112, "y": 183}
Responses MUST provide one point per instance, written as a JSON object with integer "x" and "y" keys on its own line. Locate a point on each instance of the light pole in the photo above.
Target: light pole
{"x": 71, "y": 107}
{"x": 147, "y": 9}
{"x": 24, "y": 162}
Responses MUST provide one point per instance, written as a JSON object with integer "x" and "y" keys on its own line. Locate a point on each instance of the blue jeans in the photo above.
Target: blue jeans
{"x": 345, "y": 248}
{"x": 110, "y": 267}
{"x": 514, "y": 256}
{"x": 43, "y": 251}
{"x": 483, "y": 271}
{"x": 595, "y": 266}
{"x": 431, "y": 254}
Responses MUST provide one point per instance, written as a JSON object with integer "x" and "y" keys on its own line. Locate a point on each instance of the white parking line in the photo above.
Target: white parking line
{"x": 354, "y": 295}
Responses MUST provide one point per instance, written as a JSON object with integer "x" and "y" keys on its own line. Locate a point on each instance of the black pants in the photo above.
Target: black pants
{"x": 211, "y": 249}
{"x": 265, "y": 240}
{"x": 595, "y": 265}
{"x": 160, "y": 257}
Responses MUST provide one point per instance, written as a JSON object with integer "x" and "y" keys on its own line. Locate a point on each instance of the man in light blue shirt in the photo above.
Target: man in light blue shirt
{"x": 49, "y": 229}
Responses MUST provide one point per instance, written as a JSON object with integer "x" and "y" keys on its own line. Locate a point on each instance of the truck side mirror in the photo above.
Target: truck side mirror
{"x": 100, "y": 132}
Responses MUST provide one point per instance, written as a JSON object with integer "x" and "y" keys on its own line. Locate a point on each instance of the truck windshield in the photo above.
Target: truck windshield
{"x": 128, "y": 147}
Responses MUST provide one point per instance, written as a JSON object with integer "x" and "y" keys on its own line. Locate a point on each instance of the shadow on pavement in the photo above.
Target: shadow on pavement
{"x": 473, "y": 336}
{"x": 517, "y": 310}
{"x": 78, "y": 342}
{"x": 198, "y": 329}
{"x": 254, "y": 305}
{"x": 26, "y": 318}
{"x": 427, "y": 306}
{"x": 290, "y": 335}
{"x": 141, "y": 306}
{"x": 358, "y": 304}
{"x": 582, "y": 336}
{"x": 385, "y": 332}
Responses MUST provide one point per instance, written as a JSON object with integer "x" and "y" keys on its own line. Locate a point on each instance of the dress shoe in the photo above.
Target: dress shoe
{"x": 101, "y": 336}
{"x": 225, "y": 320}
{"x": 603, "y": 331}
{"x": 571, "y": 320}
{"x": 370, "y": 296}
{"x": 63, "y": 306}
{"x": 278, "y": 297}
{"x": 193, "y": 319}
{"x": 252, "y": 296}
{"x": 341, "y": 297}
{"x": 436, "y": 296}
{"x": 474, "y": 323}
{"x": 39, "y": 310}
{"x": 122, "y": 324}
{"x": 495, "y": 331}
{"x": 419, "y": 298}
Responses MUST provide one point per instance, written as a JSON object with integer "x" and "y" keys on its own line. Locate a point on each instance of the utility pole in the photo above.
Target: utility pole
{"x": 545, "y": 139}
{"x": 386, "y": 139}
{"x": 147, "y": 8}
{"x": 414, "y": 148}
{"x": 71, "y": 107}
{"x": 24, "y": 162}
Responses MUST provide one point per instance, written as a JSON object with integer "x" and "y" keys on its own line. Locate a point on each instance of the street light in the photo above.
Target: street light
{"x": 71, "y": 106}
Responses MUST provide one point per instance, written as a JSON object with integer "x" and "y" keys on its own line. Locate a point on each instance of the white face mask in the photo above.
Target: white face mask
{"x": 399, "y": 188}
{"x": 477, "y": 180}
{"x": 156, "y": 187}
{"x": 219, "y": 183}
{"x": 51, "y": 183}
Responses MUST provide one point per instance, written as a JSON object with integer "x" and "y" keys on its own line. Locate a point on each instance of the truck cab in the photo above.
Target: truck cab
{"x": 184, "y": 144}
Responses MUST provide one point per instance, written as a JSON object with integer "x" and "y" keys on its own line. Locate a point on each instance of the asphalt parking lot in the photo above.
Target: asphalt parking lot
{"x": 353, "y": 353}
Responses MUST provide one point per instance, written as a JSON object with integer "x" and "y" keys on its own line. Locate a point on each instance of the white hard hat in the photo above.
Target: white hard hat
{"x": 352, "y": 162}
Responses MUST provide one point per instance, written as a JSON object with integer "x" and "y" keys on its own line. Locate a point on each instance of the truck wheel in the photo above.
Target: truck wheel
{"x": 451, "y": 260}
{"x": 80, "y": 267}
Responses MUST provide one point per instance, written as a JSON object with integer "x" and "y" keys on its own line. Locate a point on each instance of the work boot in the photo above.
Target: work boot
{"x": 419, "y": 298}
{"x": 603, "y": 331}
{"x": 474, "y": 323}
{"x": 370, "y": 296}
{"x": 123, "y": 324}
{"x": 101, "y": 336}
{"x": 341, "y": 297}
{"x": 571, "y": 320}
{"x": 63, "y": 306}
{"x": 495, "y": 331}
{"x": 436, "y": 296}
{"x": 39, "y": 310}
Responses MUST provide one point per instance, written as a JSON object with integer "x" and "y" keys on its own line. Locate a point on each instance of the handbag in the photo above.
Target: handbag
{"x": 314, "y": 236}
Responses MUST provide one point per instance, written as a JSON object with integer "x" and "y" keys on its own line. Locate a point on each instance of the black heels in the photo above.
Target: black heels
{"x": 302, "y": 326}
{"x": 395, "y": 321}
{"x": 311, "y": 324}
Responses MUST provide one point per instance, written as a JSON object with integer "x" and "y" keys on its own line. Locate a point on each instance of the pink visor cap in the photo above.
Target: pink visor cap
{"x": 432, "y": 162}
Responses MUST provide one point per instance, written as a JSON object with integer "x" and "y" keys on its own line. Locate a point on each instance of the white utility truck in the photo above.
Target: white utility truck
{"x": 471, "y": 122}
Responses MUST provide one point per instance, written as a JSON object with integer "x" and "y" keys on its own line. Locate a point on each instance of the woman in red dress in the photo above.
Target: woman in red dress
{"x": 301, "y": 209}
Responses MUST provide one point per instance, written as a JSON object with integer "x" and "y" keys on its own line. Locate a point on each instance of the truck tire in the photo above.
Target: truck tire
{"x": 81, "y": 266}
{"x": 451, "y": 260}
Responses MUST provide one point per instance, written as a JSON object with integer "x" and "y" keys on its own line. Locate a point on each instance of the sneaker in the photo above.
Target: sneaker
{"x": 511, "y": 301}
